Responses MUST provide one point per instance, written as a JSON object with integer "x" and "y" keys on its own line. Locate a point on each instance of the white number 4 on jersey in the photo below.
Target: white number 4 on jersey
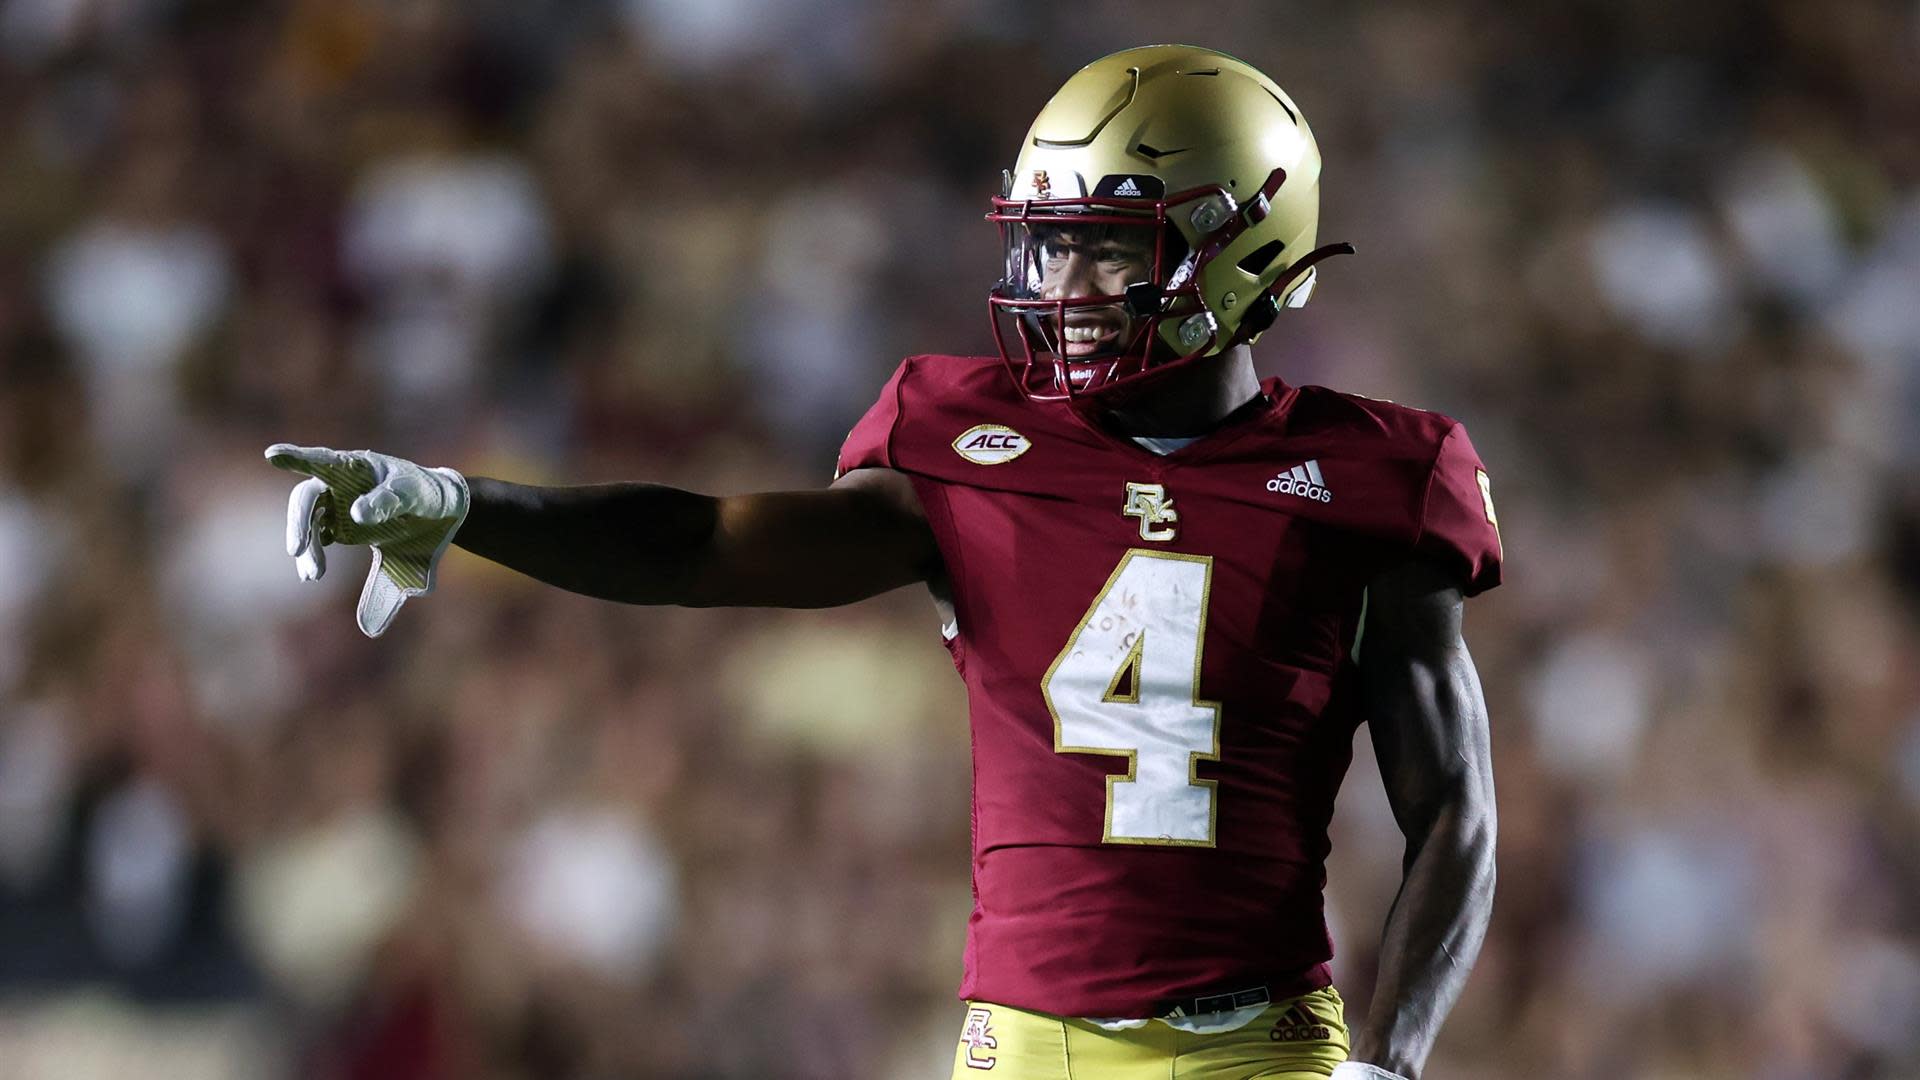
{"x": 1128, "y": 684}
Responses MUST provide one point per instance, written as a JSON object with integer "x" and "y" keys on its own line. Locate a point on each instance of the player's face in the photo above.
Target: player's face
{"x": 1097, "y": 260}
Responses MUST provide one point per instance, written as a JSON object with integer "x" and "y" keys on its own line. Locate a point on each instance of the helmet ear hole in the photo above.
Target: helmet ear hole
{"x": 1257, "y": 260}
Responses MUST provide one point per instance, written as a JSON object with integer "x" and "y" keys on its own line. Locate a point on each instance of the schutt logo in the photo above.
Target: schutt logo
{"x": 991, "y": 444}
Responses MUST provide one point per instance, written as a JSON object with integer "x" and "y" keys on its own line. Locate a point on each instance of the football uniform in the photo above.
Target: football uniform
{"x": 1159, "y": 655}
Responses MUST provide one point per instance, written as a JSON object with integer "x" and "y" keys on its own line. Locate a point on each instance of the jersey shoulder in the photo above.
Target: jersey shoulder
{"x": 1361, "y": 425}
{"x": 1418, "y": 460}
{"x": 944, "y": 416}
{"x": 935, "y": 383}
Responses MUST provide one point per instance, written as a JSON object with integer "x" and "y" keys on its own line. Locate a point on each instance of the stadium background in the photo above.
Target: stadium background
{"x": 1663, "y": 259}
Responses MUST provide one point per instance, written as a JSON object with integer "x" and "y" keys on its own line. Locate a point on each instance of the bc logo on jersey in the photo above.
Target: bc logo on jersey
{"x": 977, "y": 1037}
{"x": 1151, "y": 504}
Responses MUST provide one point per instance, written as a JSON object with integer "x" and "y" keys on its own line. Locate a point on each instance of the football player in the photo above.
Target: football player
{"x": 1173, "y": 592}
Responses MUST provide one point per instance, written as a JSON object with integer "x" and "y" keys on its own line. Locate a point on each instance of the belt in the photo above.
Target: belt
{"x": 1214, "y": 1003}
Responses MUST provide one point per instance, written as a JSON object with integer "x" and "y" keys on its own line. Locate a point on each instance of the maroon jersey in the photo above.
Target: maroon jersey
{"x": 1159, "y": 660}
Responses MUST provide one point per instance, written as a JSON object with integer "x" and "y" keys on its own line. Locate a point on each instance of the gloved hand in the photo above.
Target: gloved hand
{"x": 406, "y": 513}
{"x": 1360, "y": 1070}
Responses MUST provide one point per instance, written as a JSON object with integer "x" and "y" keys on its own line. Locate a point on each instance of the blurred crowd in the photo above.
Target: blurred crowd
{"x": 1663, "y": 259}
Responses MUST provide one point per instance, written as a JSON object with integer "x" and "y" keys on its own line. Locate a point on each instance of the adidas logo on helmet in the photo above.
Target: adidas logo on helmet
{"x": 1127, "y": 187}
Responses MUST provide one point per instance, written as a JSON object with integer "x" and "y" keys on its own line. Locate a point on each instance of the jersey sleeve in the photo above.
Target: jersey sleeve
{"x": 870, "y": 444}
{"x": 1458, "y": 528}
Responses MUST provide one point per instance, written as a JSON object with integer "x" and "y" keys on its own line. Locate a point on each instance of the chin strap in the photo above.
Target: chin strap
{"x": 1267, "y": 308}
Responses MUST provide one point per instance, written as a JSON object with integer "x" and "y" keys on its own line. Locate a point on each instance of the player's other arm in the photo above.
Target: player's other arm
{"x": 1429, "y": 726}
{"x": 648, "y": 544}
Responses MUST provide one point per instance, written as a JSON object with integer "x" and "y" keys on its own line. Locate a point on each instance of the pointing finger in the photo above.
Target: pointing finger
{"x": 304, "y": 459}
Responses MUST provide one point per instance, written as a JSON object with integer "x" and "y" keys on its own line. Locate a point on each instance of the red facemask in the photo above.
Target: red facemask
{"x": 1045, "y": 367}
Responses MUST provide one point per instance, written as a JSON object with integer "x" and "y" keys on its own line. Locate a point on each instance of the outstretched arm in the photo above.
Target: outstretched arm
{"x": 1429, "y": 727}
{"x": 647, "y": 544}
{"x": 636, "y": 543}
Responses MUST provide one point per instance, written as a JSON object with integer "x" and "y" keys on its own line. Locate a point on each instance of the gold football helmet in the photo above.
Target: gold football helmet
{"x": 1201, "y": 159}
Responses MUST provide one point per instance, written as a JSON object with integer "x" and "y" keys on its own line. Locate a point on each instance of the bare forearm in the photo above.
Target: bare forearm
{"x": 634, "y": 543}
{"x": 1432, "y": 936}
{"x": 646, "y": 544}
{"x": 1430, "y": 734}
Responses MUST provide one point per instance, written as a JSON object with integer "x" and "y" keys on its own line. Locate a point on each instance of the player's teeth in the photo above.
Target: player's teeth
{"x": 1082, "y": 333}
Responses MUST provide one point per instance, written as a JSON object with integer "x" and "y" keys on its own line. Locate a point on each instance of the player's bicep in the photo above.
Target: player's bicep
{"x": 1425, "y": 710}
{"x": 864, "y": 535}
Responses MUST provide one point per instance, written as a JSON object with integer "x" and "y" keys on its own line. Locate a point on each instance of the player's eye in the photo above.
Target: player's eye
{"x": 1057, "y": 252}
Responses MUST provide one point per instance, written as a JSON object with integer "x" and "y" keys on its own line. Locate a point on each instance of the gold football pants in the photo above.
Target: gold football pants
{"x": 1301, "y": 1038}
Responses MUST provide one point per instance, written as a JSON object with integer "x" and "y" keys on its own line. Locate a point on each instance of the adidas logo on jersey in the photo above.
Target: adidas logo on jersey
{"x": 1127, "y": 187}
{"x": 1299, "y": 1025}
{"x": 1303, "y": 480}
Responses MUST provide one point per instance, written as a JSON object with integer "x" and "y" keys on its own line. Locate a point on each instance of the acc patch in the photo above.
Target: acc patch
{"x": 991, "y": 444}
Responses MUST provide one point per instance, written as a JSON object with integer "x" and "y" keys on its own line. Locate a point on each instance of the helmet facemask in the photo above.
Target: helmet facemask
{"x": 1072, "y": 346}
{"x": 1157, "y": 324}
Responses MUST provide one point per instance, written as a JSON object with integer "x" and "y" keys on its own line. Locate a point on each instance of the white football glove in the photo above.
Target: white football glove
{"x": 1360, "y": 1070}
{"x": 406, "y": 513}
